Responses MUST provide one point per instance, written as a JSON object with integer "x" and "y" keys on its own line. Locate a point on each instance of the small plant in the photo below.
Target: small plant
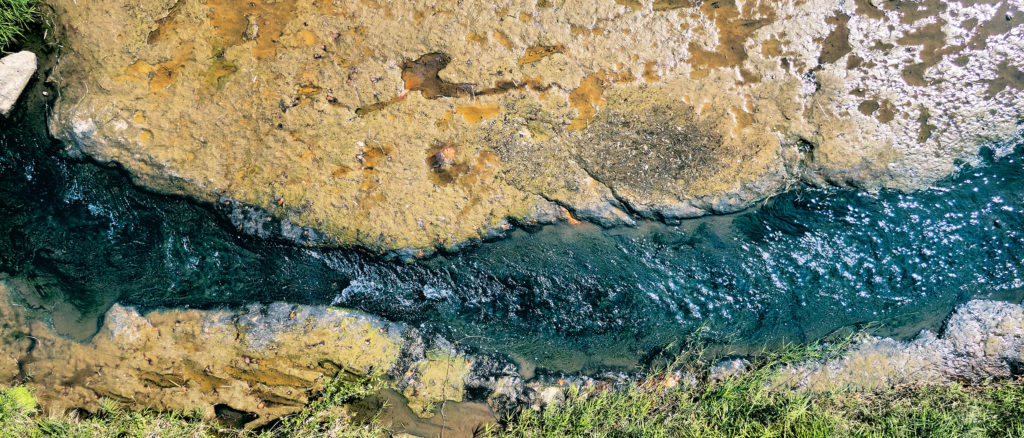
{"x": 15, "y": 17}
{"x": 325, "y": 415}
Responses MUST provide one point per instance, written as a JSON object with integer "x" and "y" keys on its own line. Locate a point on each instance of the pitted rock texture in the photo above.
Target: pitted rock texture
{"x": 265, "y": 360}
{"x": 982, "y": 340}
{"x": 400, "y": 126}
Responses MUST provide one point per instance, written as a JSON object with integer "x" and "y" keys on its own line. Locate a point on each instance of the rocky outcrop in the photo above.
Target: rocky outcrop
{"x": 262, "y": 361}
{"x": 982, "y": 340}
{"x": 15, "y": 71}
{"x": 401, "y": 126}
{"x": 266, "y": 361}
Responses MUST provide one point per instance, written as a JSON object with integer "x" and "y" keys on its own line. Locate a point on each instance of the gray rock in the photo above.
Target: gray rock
{"x": 550, "y": 396}
{"x": 725, "y": 369}
{"x": 982, "y": 340}
{"x": 15, "y": 71}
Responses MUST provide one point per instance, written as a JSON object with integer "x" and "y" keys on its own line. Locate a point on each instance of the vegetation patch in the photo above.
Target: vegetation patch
{"x": 15, "y": 17}
{"x": 750, "y": 404}
{"x": 664, "y": 404}
{"x": 326, "y": 416}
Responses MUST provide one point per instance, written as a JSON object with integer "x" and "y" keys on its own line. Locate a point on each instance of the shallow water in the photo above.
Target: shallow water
{"x": 568, "y": 298}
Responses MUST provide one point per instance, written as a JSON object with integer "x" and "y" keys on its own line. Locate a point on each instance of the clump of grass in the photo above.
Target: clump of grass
{"x": 749, "y": 405}
{"x": 19, "y": 418}
{"x": 15, "y": 17}
{"x": 326, "y": 416}
{"x": 661, "y": 405}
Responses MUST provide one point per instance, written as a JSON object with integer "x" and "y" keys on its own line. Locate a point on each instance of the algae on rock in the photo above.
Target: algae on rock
{"x": 263, "y": 360}
{"x": 330, "y": 116}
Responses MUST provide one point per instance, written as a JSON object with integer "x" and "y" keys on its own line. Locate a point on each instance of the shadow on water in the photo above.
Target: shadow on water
{"x": 801, "y": 265}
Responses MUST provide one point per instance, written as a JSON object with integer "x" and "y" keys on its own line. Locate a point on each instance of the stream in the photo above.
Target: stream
{"x": 571, "y": 298}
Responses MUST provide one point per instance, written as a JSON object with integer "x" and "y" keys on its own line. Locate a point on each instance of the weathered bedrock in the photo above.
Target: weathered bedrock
{"x": 264, "y": 361}
{"x": 403, "y": 126}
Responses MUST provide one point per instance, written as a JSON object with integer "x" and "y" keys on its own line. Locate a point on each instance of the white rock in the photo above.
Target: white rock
{"x": 982, "y": 340}
{"x": 15, "y": 71}
{"x": 726, "y": 369}
{"x": 552, "y": 396}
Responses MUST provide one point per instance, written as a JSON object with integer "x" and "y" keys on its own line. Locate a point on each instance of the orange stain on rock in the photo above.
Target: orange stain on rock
{"x": 586, "y": 99}
{"x": 166, "y": 73}
{"x": 231, "y": 18}
{"x": 502, "y": 39}
{"x": 479, "y": 38}
{"x": 305, "y": 38}
{"x": 478, "y": 113}
{"x": 536, "y": 53}
{"x": 445, "y": 121}
{"x": 309, "y": 90}
{"x": 651, "y": 72}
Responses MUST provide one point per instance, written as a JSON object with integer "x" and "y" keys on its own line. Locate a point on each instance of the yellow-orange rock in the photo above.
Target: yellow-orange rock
{"x": 325, "y": 113}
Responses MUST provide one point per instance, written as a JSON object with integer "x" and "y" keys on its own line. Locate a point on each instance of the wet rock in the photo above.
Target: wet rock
{"x": 550, "y": 397}
{"x": 439, "y": 377}
{"x": 254, "y": 364}
{"x": 498, "y": 382}
{"x": 15, "y": 71}
{"x": 399, "y": 127}
{"x": 727, "y": 369}
{"x": 982, "y": 340}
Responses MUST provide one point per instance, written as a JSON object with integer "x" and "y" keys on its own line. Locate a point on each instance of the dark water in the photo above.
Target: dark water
{"x": 799, "y": 266}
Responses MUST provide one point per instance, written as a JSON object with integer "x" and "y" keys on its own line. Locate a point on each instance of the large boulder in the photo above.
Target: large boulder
{"x": 404, "y": 126}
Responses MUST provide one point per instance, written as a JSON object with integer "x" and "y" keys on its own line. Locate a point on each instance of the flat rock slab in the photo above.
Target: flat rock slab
{"x": 15, "y": 71}
{"x": 401, "y": 127}
{"x": 264, "y": 360}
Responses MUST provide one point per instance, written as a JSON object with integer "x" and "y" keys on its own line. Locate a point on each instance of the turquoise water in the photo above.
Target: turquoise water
{"x": 799, "y": 266}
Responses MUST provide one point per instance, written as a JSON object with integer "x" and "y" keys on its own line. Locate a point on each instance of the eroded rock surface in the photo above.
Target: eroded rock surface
{"x": 982, "y": 340}
{"x": 263, "y": 361}
{"x": 406, "y": 126}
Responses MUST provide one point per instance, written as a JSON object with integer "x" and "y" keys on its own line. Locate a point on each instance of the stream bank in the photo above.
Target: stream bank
{"x": 556, "y": 302}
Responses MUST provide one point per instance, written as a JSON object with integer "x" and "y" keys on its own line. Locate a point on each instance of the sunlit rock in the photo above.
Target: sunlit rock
{"x": 982, "y": 340}
{"x": 263, "y": 361}
{"x": 407, "y": 126}
{"x": 15, "y": 71}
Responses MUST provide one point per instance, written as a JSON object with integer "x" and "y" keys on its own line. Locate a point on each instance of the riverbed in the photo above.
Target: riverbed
{"x": 566, "y": 297}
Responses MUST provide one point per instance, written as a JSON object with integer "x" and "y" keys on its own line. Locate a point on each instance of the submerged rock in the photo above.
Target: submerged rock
{"x": 982, "y": 340}
{"x": 398, "y": 126}
{"x": 15, "y": 71}
{"x": 727, "y": 368}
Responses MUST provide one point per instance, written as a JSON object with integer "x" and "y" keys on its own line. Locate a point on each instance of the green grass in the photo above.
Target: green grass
{"x": 660, "y": 405}
{"x": 15, "y": 17}
{"x": 748, "y": 405}
{"x": 746, "y": 408}
{"x": 324, "y": 417}
{"x": 19, "y": 418}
